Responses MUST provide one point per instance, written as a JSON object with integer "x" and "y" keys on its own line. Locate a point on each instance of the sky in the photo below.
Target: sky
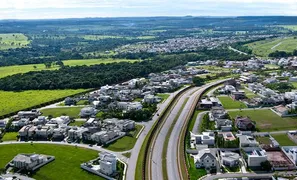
{"x": 52, "y": 9}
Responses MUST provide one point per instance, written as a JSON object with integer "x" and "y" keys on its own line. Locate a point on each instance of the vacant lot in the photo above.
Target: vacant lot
{"x": 265, "y": 47}
{"x": 125, "y": 143}
{"x": 62, "y": 111}
{"x": 15, "y": 101}
{"x": 66, "y": 166}
{"x": 267, "y": 121}
{"x": 229, "y": 103}
{"x": 249, "y": 94}
{"x": 283, "y": 140}
{"x": 10, "y": 70}
{"x": 10, "y": 41}
{"x": 10, "y": 136}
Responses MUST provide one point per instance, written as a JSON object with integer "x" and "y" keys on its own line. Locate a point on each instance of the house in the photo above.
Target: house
{"x": 255, "y": 156}
{"x": 28, "y": 162}
{"x": 2, "y": 124}
{"x": 223, "y": 124}
{"x": 230, "y": 159}
{"x": 87, "y": 112}
{"x": 217, "y": 113}
{"x": 247, "y": 141}
{"x": 150, "y": 99}
{"x": 103, "y": 137}
{"x": 244, "y": 123}
{"x": 108, "y": 163}
{"x": 27, "y": 131}
{"x": 237, "y": 95}
{"x": 206, "y": 158}
{"x": 41, "y": 120}
{"x": 281, "y": 110}
{"x": 69, "y": 101}
{"x": 29, "y": 114}
{"x": 206, "y": 138}
{"x": 43, "y": 131}
{"x": 293, "y": 79}
{"x": 206, "y": 104}
{"x": 228, "y": 136}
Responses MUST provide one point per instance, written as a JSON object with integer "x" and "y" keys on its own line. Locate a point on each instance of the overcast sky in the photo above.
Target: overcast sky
{"x": 45, "y": 9}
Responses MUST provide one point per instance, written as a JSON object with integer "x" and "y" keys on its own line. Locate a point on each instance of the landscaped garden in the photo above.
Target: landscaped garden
{"x": 283, "y": 140}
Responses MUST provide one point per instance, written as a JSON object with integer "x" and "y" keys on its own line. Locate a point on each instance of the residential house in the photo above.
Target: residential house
{"x": 150, "y": 99}
{"x": 206, "y": 158}
{"x": 255, "y": 156}
{"x": 238, "y": 95}
{"x": 223, "y": 124}
{"x": 28, "y": 162}
{"x": 29, "y": 114}
{"x": 244, "y": 123}
{"x": 217, "y": 113}
{"x": 230, "y": 159}
{"x": 69, "y": 101}
{"x": 247, "y": 141}
{"x": 108, "y": 163}
{"x": 206, "y": 138}
{"x": 87, "y": 112}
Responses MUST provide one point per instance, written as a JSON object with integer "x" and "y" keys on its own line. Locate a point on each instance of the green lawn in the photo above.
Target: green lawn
{"x": 10, "y": 70}
{"x": 16, "y": 101}
{"x": 66, "y": 165}
{"x": 283, "y": 140}
{"x": 82, "y": 102}
{"x": 267, "y": 121}
{"x": 77, "y": 123}
{"x": 290, "y": 27}
{"x": 229, "y": 103}
{"x": 63, "y": 111}
{"x": 164, "y": 96}
{"x": 125, "y": 143}
{"x": 10, "y": 136}
{"x": 249, "y": 94}
{"x": 265, "y": 47}
{"x": 193, "y": 172}
{"x": 294, "y": 84}
{"x": 11, "y": 41}
{"x": 263, "y": 140}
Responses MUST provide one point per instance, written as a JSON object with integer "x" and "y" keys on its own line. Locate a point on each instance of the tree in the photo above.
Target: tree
{"x": 266, "y": 166}
{"x": 60, "y": 63}
{"x": 48, "y": 65}
{"x": 198, "y": 81}
{"x": 35, "y": 67}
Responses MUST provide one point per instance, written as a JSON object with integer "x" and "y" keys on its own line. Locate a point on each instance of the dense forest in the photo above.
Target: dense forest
{"x": 98, "y": 75}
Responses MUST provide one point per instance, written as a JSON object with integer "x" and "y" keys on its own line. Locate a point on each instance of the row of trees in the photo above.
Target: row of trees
{"x": 279, "y": 54}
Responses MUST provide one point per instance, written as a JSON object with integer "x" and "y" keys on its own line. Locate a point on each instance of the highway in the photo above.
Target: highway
{"x": 174, "y": 150}
{"x": 155, "y": 154}
{"x": 233, "y": 175}
{"x": 148, "y": 125}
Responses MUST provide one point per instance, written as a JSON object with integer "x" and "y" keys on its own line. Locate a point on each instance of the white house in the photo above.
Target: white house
{"x": 230, "y": 159}
{"x": 247, "y": 141}
{"x": 256, "y": 156}
{"x": 87, "y": 112}
{"x": 206, "y": 158}
{"x": 108, "y": 163}
{"x": 206, "y": 138}
{"x": 28, "y": 162}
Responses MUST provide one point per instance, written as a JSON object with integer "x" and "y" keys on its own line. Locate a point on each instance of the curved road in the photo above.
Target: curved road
{"x": 172, "y": 160}
{"x": 155, "y": 161}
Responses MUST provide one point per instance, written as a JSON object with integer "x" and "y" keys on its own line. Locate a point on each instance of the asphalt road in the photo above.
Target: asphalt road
{"x": 156, "y": 158}
{"x": 148, "y": 125}
{"x": 233, "y": 175}
{"x": 173, "y": 171}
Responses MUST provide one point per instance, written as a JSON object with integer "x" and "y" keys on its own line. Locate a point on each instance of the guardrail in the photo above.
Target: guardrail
{"x": 155, "y": 128}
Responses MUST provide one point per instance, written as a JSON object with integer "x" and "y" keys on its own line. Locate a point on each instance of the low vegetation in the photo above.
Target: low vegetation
{"x": 229, "y": 103}
{"x": 12, "y": 102}
{"x": 206, "y": 124}
{"x": 62, "y": 111}
{"x": 125, "y": 143}
{"x": 10, "y": 136}
{"x": 13, "y": 40}
{"x": 266, "y": 120}
{"x": 283, "y": 140}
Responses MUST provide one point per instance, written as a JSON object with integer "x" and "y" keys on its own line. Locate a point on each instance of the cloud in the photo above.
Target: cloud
{"x": 114, "y": 8}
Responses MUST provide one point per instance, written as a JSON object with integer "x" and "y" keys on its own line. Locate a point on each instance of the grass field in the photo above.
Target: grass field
{"x": 10, "y": 136}
{"x": 10, "y": 70}
{"x": 62, "y": 111}
{"x": 10, "y": 41}
{"x": 193, "y": 172}
{"x": 249, "y": 94}
{"x": 125, "y": 143}
{"x": 283, "y": 140}
{"x": 77, "y": 123}
{"x": 163, "y": 96}
{"x": 265, "y": 47}
{"x": 290, "y": 27}
{"x": 229, "y": 103}
{"x": 66, "y": 165}
{"x": 15, "y": 101}
{"x": 267, "y": 121}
